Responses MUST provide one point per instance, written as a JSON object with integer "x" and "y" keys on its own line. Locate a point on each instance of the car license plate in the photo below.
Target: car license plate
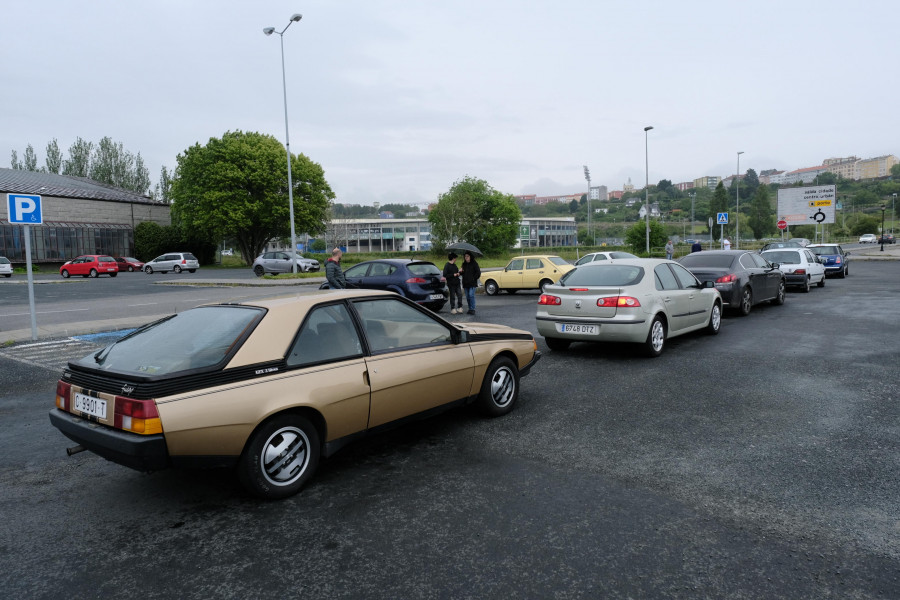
{"x": 578, "y": 328}
{"x": 436, "y": 297}
{"x": 90, "y": 405}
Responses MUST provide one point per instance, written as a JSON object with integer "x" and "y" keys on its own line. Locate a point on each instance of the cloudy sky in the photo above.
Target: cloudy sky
{"x": 397, "y": 100}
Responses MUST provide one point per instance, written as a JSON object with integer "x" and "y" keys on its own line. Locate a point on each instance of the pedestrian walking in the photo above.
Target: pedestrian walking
{"x": 451, "y": 274}
{"x": 726, "y": 244}
{"x": 471, "y": 273}
{"x": 333, "y": 272}
{"x": 670, "y": 250}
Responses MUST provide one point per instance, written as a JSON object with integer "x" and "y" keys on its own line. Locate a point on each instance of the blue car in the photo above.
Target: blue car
{"x": 419, "y": 280}
{"x": 836, "y": 262}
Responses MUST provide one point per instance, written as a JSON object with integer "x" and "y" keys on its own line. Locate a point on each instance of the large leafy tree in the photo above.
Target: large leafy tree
{"x": 236, "y": 187}
{"x": 762, "y": 215}
{"x": 636, "y": 236}
{"x": 79, "y": 162}
{"x": 474, "y": 212}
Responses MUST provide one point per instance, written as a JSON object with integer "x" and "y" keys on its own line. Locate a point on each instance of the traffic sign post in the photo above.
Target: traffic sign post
{"x": 25, "y": 209}
{"x": 722, "y": 220}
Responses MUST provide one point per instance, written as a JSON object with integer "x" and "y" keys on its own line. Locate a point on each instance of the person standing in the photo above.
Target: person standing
{"x": 471, "y": 273}
{"x": 333, "y": 271}
{"x": 696, "y": 246}
{"x": 726, "y": 244}
{"x": 451, "y": 274}
{"x": 670, "y": 250}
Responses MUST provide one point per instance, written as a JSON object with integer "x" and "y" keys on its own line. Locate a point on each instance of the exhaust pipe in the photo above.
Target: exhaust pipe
{"x": 75, "y": 449}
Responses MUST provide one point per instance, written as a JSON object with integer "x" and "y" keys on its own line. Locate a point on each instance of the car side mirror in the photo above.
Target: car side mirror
{"x": 846, "y": 254}
{"x": 462, "y": 336}
{"x": 708, "y": 284}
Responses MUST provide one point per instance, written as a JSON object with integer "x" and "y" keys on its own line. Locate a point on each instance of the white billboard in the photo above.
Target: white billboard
{"x": 807, "y": 205}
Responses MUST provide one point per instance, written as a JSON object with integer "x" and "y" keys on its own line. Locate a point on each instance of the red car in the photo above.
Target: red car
{"x": 90, "y": 265}
{"x": 127, "y": 263}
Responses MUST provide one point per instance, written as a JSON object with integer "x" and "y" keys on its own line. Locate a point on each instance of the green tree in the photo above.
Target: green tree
{"x": 14, "y": 161}
{"x": 79, "y": 162}
{"x": 54, "y": 158}
{"x": 636, "y": 236}
{"x": 895, "y": 170}
{"x": 162, "y": 192}
{"x": 762, "y": 216}
{"x": 236, "y": 187}
{"x": 474, "y": 212}
{"x": 29, "y": 161}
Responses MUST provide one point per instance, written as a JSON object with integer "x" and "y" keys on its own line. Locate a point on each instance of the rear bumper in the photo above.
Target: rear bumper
{"x": 794, "y": 280}
{"x": 141, "y": 452}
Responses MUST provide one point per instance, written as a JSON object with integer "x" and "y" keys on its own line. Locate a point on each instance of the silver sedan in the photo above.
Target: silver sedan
{"x": 643, "y": 301}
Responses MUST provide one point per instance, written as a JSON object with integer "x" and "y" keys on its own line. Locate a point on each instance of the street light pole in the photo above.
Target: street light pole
{"x": 692, "y": 194}
{"x": 647, "y": 187}
{"x": 893, "y": 212}
{"x": 587, "y": 175}
{"x": 883, "y": 207}
{"x": 737, "y": 212}
{"x": 287, "y": 137}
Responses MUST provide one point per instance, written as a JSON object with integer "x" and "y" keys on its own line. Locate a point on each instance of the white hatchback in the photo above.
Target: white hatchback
{"x": 868, "y": 238}
{"x": 6, "y": 268}
{"x": 800, "y": 266}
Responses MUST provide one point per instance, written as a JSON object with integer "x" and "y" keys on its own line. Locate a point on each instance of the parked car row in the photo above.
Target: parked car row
{"x": 94, "y": 265}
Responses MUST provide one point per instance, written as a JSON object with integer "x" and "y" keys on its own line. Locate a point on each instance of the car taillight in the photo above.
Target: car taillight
{"x": 138, "y": 416}
{"x": 63, "y": 393}
{"x": 837, "y": 260}
{"x": 578, "y": 289}
{"x": 183, "y": 261}
{"x": 618, "y": 302}
{"x": 549, "y": 300}
{"x": 416, "y": 280}
{"x": 730, "y": 278}
{"x": 799, "y": 271}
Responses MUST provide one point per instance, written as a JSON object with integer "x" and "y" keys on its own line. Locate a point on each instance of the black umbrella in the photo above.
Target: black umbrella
{"x": 464, "y": 247}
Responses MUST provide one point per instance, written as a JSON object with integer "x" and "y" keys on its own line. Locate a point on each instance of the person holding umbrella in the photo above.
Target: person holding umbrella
{"x": 471, "y": 273}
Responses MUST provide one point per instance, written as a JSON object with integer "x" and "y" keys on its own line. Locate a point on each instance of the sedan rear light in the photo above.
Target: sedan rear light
{"x": 618, "y": 302}
{"x": 138, "y": 416}
{"x": 63, "y": 393}
{"x": 578, "y": 289}
{"x": 550, "y": 300}
{"x": 416, "y": 280}
{"x": 730, "y": 278}
{"x": 183, "y": 261}
{"x": 837, "y": 260}
{"x": 799, "y": 271}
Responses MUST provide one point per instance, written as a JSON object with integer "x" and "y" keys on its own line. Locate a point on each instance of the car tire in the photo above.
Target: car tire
{"x": 715, "y": 319}
{"x": 500, "y": 388}
{"x": 93, "y": 274}
{"x": 113, "y": 274}
{"x": 259, "y": 270}
{"x": 844, "y": 272}
{"x": 130, "y": 269}
{"x": 821, "y": 282}
{"x": 778, "y": 300}
{"x": 436, "y": 307}
{"x": 64, "y": 273}
{"x": 192, "y": 270}
{"x": 746, "y": 301}
{"x": 557, "y": 343}
{"x": 491, "y": 288}
{"x": 805, "y": 287}
{"x": 177, "y": 269}
{"x": 544, "y": 284}
{"x": 148, "y": 270}
{"x": 262, "y": 468}
{"x": 656, "y": 338}
{"x": 511, "y": 291}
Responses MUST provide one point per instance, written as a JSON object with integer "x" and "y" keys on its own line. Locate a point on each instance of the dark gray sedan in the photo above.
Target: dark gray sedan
{"x": 743, "y": 278}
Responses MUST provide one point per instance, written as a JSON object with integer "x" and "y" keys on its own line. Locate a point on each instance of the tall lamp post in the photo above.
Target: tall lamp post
{"x": 883, "y": 207}
{"x": 287, "y": 137}
{"x": 587, "y": 175}
{"x": 893, "y": 212}
{"x": 692, "y": 194}
{"x": 737, "y": 212}
{"x": 647, "y": 187}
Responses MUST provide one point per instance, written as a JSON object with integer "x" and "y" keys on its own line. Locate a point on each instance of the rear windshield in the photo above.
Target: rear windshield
{"x": 193, "y": 339}
{"x": 189, "y": 256}
{"x": 4, "y": 260}
{"x": 423, "y": 269}
{"x": 556, "y": 260}
{"x": 825, "y": 250}
{"x": 599, "y": 275}
{"x": 701, "y": 259}
{"x": 621, "y": 255}
{"x": 782, "y": 256}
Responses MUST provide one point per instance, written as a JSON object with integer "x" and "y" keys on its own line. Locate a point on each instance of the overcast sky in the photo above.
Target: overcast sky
{"x": 397, "y": 100}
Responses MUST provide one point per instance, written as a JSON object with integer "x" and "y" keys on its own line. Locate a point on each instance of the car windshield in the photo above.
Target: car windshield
{"x": 704, "y": 259}
{"x": 783, "y": 257}
{"x": 193, "y": 339}
{"x": 603, "y": 275}
{"x": 820, "y": 250}
{"x": 4, "y": 260}
{"x": 423, "y": 269}
{"x": 556, "y": 260}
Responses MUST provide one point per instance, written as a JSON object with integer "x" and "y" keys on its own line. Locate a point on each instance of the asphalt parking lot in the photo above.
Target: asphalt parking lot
{"x": 759, "y": 463}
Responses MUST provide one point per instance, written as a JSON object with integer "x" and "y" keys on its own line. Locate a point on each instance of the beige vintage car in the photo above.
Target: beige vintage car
{"x": 271, "y": 386}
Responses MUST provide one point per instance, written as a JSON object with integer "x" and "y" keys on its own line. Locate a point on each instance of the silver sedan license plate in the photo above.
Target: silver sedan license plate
{"x": 90, "y": 405}
{"x": 578, "y": 328}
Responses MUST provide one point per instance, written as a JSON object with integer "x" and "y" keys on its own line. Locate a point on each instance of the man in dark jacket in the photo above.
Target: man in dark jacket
{"x": 333, "y": 271}
{"x": 451, "y": 274}
{"x": 696, "y": 247}
{"x": 470, "y": 274}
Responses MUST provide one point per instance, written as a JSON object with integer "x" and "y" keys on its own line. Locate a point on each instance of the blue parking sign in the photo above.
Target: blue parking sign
{"x": 721, "y": 218}
{"x": 24, "y": 209}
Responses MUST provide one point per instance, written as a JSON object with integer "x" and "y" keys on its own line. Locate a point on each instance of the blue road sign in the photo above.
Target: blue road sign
{"x": 24, "y": 209}
{"x": 721, "y": 218}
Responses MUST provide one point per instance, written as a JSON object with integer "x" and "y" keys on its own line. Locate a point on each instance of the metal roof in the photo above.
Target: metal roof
{"x": 18, "y": 181}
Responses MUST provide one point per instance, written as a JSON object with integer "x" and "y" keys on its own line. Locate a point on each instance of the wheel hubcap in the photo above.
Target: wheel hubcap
{"x": 503, "y": 386}
{"x": 656, "y": 336}
{"x": 716, "y": 316}
{"x": 285, "y": 456}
